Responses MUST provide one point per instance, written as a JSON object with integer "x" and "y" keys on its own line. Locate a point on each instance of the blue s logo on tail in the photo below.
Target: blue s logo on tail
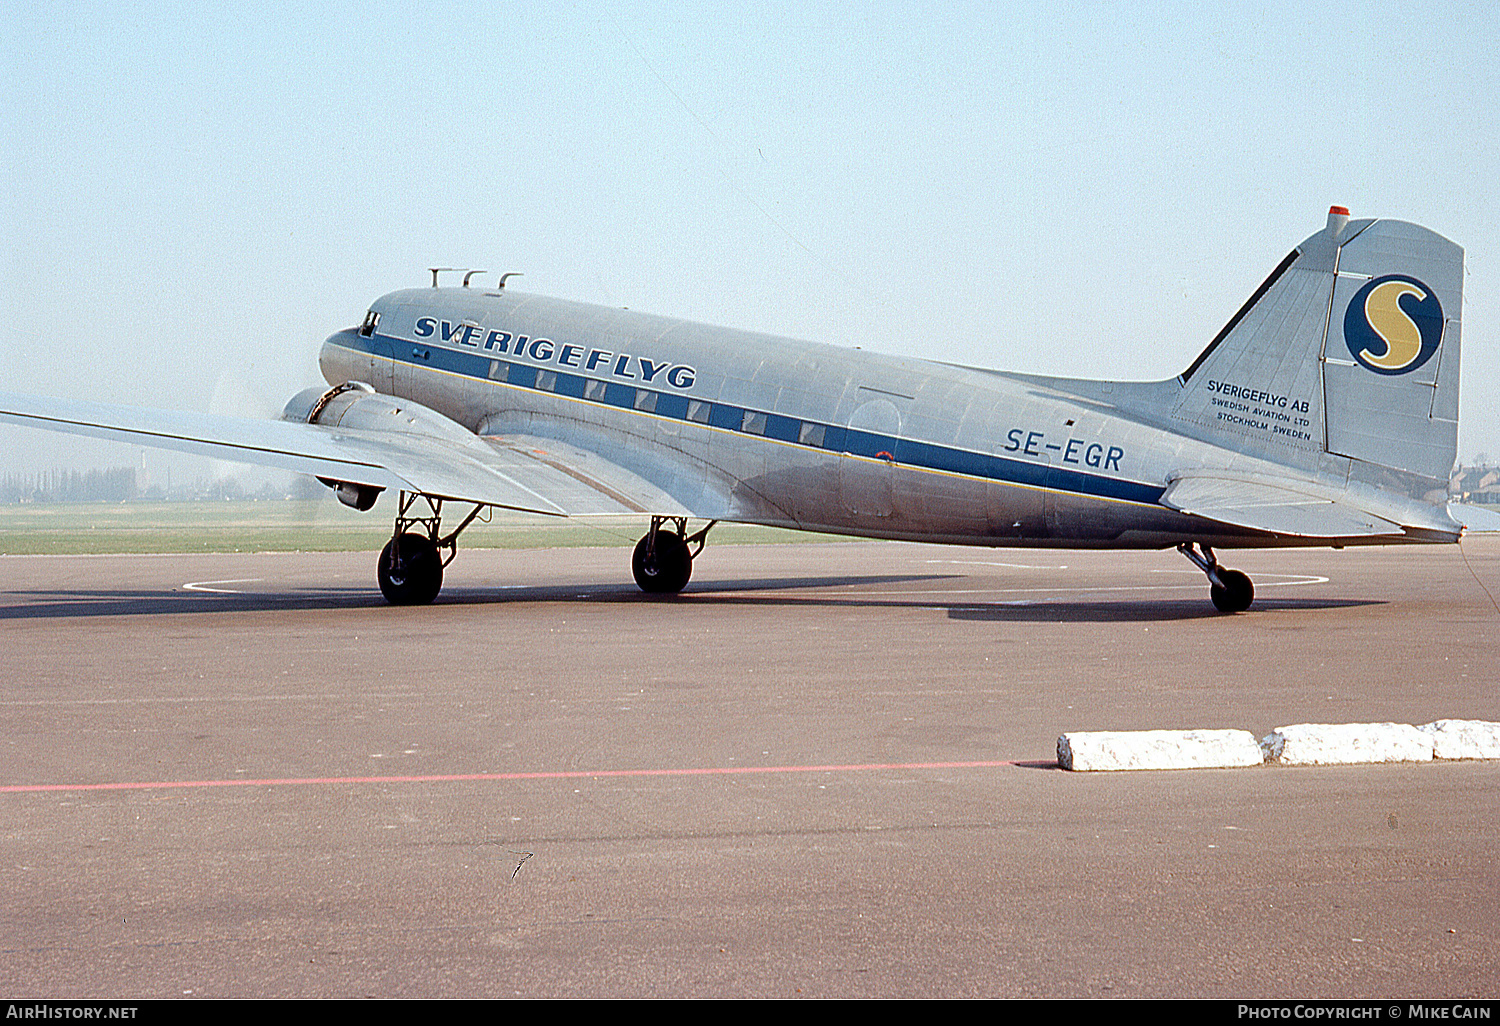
{"x": 1394, "y": 324}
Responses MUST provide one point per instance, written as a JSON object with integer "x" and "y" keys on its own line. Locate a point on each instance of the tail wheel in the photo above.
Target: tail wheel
{"x": 663, "y": 568}
{"x": 1230, "y": 590}
{"x": 411, "y": 570}
{"x": 1235, "y": 595}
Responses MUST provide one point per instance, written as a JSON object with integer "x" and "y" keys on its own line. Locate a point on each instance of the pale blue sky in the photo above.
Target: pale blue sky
{"x": 194, "y": 197}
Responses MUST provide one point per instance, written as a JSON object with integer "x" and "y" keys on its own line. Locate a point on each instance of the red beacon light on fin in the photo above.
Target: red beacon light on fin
{"x": 1338, "y": 218}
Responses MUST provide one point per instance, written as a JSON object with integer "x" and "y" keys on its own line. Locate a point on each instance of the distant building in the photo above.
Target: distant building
{"x": 1479, "y": 485}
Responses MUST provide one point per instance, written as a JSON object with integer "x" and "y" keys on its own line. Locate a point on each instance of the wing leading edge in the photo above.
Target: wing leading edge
{"x": 378, "y": 459}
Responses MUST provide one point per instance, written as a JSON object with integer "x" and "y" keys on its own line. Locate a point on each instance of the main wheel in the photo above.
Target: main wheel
{"x": 666, "y": 570}
{"x": 411, "y": 571}
{"x": 1236, "y": 594}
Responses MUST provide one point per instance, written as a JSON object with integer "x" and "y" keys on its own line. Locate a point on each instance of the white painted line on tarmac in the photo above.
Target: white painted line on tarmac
{"x": 208, "y": 585}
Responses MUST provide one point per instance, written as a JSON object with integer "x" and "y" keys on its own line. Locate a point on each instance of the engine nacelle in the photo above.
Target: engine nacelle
{"x": 356, "y": 406}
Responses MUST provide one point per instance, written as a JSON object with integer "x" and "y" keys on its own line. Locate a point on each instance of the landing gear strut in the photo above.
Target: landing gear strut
{"x": 412, "y": 562}
{"x": 1230, "y": 590}
{"x": 663, "y": 559}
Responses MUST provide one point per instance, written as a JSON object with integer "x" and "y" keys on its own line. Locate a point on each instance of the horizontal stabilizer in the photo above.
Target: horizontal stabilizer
{"x": 1262, "y": 506}
{"x": 1476, "y": 519}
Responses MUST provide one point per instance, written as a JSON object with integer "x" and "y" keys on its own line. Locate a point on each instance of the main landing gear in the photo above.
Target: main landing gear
{"x": 1230, "y": 590}
{"x": 411, "y": 564}
{"x": 663, "y": 559}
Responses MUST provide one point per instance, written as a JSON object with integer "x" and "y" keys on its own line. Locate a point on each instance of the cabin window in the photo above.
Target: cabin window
{"x": 783, "y": 429}
{"x": 368, "y": 328}
{"x": 546, "y": 380}
{"x": 698, "y": 411}
{"x": 499, "y": 371}
{"x": 594, "y": 390}
{"x": 753, "y": 423}
{"x": 811, "y": 434}
{"x": 645, "y": 400}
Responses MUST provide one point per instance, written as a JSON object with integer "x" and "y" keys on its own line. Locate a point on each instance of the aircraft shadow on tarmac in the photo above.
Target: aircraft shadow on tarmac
{"x": 1140, "y": 611}
{"x": 71, "y": 603}
{"x": 68, "y": 603}
{"x": 264, "y": 596}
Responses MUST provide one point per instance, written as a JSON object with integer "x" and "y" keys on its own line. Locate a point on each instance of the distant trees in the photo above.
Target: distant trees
{"x": 115, "y": 485}
{"x": 123, "y": 484}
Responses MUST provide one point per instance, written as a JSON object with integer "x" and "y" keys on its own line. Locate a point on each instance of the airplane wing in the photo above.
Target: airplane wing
{"x": 1275, "y": 507}
{"x": 520, "y": 472}
{"x": 381, "y": 459}
{"x": 584, "y": 483}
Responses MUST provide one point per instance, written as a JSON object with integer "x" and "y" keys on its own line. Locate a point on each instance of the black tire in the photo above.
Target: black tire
{"x": 667, "y": 570}
{"x": 1236, "y": 594}
{"x": 411, "y": 571}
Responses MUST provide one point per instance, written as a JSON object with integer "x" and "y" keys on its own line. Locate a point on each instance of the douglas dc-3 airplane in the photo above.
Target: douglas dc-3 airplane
{"x": 1324, "y": 413}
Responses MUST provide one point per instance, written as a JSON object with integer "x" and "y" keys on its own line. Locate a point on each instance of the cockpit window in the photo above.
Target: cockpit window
{"x": 368, "y": 328}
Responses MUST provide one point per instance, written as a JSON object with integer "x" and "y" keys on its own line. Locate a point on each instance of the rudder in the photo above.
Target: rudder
{"x": 1390, "y": 366}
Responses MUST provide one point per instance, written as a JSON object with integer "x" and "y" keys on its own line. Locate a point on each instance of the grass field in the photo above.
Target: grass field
{"x": 317, "y": 525}
{"x": 302, "y": 526}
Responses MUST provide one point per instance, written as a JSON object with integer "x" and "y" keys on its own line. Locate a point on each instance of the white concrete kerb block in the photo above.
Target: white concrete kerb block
{"x": 1464, "y": 739}
{"x": 1336, "y": 744}
{"x": 1101, "y": 750}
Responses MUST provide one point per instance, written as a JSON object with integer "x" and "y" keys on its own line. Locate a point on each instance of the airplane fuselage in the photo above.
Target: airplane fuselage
{"x": 758, "y": 429}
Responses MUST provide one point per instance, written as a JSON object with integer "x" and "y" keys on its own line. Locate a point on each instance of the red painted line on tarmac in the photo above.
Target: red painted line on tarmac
{"x": 554, "y": 775}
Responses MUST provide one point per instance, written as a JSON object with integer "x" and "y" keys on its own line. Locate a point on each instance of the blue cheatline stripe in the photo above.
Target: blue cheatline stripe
{"x": 675, "y": 406}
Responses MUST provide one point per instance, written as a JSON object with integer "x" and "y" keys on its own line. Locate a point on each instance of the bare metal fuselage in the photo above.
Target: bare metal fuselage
{"x": 744, "y": 427}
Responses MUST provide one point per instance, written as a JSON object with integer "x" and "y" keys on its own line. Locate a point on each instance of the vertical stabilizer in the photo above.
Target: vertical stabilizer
{"x": 1349, "y": 349}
